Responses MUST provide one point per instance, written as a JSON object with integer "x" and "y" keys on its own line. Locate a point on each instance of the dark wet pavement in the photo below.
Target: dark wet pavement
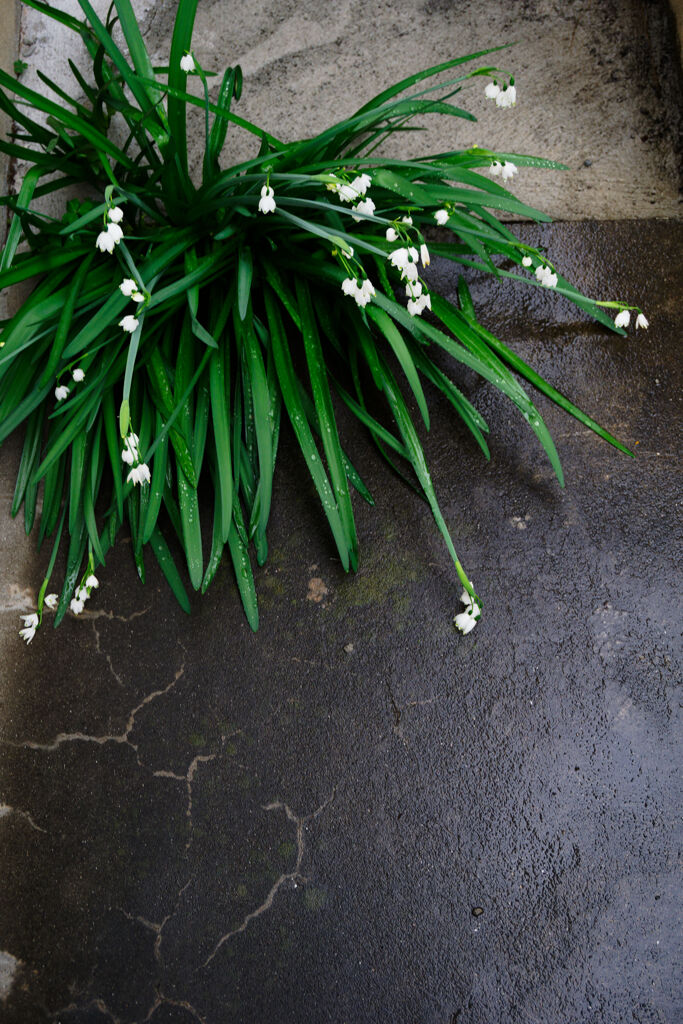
{"x": 357, "y": 815}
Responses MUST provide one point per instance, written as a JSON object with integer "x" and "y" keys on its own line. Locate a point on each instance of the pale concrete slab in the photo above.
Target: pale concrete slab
{"x": 598, "y": 83}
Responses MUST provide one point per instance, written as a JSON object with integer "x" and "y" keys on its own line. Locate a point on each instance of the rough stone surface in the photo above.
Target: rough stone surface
{"x": 202, "y": 824}
{"x": 598, "y": 83}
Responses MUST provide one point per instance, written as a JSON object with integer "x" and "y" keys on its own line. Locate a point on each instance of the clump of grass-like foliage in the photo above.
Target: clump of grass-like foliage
{"x": 172, "y": 321}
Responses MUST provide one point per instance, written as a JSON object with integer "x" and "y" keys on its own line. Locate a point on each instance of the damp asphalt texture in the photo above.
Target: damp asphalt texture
{"x": 356, "y": 815}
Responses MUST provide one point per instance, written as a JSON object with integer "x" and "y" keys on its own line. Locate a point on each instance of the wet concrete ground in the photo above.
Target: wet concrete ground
{"x": 357, "y": 815}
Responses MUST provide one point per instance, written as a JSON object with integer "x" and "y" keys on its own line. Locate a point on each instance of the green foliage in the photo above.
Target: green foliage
{"x": 241, "y": 314}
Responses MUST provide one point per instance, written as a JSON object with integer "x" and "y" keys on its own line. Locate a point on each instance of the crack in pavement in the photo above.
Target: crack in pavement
{"x": 98, "y": 1004}
{"x": 290, "y": 876}
{"x": 121, "y": 738}
{"x": 188, "y": 779}
{"x": 157, "y": 927}
{"x": 91, "y": 616}
{"x": 162, "y": 1000}
{"x": 6, "y": 810}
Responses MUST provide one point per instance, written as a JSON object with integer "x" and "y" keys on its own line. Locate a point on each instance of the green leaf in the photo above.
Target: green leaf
{"x": 65, "y": 319}
{"x": 499, "y": 375}
{"x": 416, "y": 453}
{"x": 244, "y": 576}
{"x": 14, "y": 234}
{"x": 406, "y": 83}
{"x": 180, "y": 44}
{"x": 168, "y": 567}
{"x": 156, "y": 488}
{"x": 164, "y": 398}
{"x": 390, "y": 331}
{"x": 217, "y": 541}
{"x": 245, "y": 270}
{"x": 326, "y": 418}
{"x": 297, "y": 417}
{"x": 219, "y": 376}
{"x": 113, "y": 447}
{"x": 29, "y": 455}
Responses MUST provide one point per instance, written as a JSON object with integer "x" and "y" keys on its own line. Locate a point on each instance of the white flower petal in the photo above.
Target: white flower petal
{"x": 399, "y": 258}
{"x": 129, "y": 323}
{"x": 464, "y": 622}
{"x": 115, "y": 232}
{"x": 266, "y": 203}
{"x": 105, "y": 242}
{"x": 28, "y": 633}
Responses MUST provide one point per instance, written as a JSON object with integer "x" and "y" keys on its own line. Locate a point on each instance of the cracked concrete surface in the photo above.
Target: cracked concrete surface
{"x": 293, "y": 876}
{"x": 500, "y": 846}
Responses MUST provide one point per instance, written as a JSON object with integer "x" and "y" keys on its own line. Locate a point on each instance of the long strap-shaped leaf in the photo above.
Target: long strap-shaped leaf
{"x": 297, "y": 416}
{"x": 326, "y": 417}
{"x": 518, "y": 364}
{"x": 406, "y": 83}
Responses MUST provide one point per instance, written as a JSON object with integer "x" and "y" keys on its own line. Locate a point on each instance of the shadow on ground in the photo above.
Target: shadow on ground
{"x": 357, "y": 815}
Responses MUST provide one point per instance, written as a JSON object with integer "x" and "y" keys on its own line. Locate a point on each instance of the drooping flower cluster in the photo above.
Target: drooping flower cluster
{"x": 108, "y": 239}
{"x": 405, "y": 259}
{"x": 62, "y": 391}
{"x": 349, "y": 192}
{"x": 32, "y": 622}
{"x": 139, "y": 473}
{"x": 418, "y": 300}
{"x": 467, "y": 620}
{"x": 365, "y": 206}
{"x": 506, "y": 169}
{"x": 623, "y": 319}
{"x": 545, "y": 276}
{"x": 505, "y": 97}
{"x": 362, "y": 292}
{"x": 83, "y": 592}
{"x": 132, "y": 290}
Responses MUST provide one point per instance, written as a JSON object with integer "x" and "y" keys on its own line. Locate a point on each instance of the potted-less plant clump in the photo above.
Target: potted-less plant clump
{"x": 175, "y": 318}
